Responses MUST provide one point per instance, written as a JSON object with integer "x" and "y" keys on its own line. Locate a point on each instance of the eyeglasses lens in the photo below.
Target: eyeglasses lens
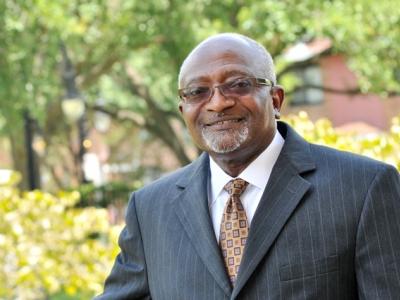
{"x": 236, "y": 89}
{"x": 233, "y": 89}
{"x": 197, "y": 94}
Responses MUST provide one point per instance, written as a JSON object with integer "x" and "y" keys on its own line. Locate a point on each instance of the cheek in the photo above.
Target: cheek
{"x": 190, "y": 115}
{"x": 265, "y": 107}
{"x": 261, "y": 115}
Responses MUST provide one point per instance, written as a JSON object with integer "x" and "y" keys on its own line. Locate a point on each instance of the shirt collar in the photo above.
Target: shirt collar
{"x": 257, "y": 173}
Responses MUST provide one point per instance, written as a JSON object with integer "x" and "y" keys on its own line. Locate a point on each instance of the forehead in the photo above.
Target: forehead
{"x": 218, "y": 61}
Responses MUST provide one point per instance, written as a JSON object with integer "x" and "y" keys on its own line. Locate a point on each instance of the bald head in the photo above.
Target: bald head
{"x": 252, "y": 53}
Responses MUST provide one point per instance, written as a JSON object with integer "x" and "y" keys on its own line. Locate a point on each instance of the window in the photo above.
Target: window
{"x": 309, "y": 76}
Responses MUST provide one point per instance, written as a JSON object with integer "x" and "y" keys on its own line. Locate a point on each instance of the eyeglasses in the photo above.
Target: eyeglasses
{"x": 232, "y": 89}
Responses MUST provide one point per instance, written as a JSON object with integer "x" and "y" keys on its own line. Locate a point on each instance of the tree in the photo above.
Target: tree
{"x": 129, "y": 53}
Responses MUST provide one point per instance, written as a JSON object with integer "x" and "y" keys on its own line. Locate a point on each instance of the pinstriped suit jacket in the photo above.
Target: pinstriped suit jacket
{"x": 327, "y": 227}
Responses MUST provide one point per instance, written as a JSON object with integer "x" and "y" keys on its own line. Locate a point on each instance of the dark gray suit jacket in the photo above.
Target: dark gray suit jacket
{"x": 327, "y": 227}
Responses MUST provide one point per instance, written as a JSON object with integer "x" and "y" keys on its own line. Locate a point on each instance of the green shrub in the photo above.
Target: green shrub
{"x": 47, "y": 246}
{"x": 106, "y": 194}
{"x": 384, "y": 146}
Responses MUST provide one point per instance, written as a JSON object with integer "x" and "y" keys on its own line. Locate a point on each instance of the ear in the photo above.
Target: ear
{"x": 278, "y": 95}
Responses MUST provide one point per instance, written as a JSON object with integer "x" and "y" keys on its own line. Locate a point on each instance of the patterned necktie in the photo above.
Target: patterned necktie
{"x": 234, "y": 228}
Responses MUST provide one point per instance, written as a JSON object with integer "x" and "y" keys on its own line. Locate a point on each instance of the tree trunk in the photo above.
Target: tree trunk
{"x": 18, "y": 152}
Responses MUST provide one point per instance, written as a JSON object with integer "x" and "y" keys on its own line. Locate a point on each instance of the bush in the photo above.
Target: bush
{"x": 380, "y": 146}
{"x": 48, "y": 247}
{"x": 106, "y": 194}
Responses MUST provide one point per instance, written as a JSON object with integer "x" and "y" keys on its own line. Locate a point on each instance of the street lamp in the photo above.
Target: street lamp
{"x": 73, "y": 107}
{"x": 32, "y": 164}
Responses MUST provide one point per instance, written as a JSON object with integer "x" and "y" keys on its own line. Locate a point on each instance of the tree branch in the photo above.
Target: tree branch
{"x": 354, "y": 91}
{"x": 113, "y": 54}
{"x": 120, "y": 114}
{"x": 158, "y": 119}
{"x": 97, "y": 70}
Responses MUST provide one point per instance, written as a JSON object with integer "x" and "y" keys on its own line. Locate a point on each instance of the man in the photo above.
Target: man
{"x": 299, "y": 221}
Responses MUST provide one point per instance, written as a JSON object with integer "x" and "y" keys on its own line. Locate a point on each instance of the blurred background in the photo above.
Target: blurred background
{"x": 88, "y": 112}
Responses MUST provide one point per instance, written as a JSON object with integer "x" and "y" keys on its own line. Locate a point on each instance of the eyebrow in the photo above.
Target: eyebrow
{"x": 225, "y": 74}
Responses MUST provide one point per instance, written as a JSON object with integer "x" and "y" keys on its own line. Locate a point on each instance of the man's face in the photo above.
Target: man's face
{"x": 229, "y": 126}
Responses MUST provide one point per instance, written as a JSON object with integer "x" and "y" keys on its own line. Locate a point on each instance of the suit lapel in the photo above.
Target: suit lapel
{"x": 283, "y": 193}
{"x": 192, "y": 211}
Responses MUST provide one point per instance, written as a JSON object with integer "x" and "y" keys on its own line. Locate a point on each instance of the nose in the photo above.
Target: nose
{"x": 218, "y": 102}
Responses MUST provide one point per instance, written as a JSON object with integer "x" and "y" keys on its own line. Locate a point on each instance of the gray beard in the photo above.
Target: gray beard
{"x": 226, "y": 141}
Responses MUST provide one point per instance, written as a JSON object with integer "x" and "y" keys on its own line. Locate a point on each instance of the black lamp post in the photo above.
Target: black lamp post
{"x": 73, "y": 107}
{"x": 32, "y": 165}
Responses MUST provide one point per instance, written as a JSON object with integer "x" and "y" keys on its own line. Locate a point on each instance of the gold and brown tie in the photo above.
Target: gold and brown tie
{"x": 234, "y": 228}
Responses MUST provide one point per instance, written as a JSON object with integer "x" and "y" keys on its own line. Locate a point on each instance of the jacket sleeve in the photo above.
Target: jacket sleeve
{"x": 377, "y": 257}
{"x": 128, "y": 277}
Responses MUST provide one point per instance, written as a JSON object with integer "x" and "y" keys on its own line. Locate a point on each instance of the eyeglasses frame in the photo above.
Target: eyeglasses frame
{"x": 259, "y": 81}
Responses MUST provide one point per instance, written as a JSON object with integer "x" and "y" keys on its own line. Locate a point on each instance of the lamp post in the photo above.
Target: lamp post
{"x": 32, "y": 166}
{"x": 73, "y": 107}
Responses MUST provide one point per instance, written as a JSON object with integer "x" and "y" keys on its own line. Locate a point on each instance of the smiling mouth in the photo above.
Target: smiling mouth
{"x": 225, "y": 122}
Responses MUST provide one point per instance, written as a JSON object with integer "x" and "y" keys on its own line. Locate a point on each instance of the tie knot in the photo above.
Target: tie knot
{"x": 236, "y": 187}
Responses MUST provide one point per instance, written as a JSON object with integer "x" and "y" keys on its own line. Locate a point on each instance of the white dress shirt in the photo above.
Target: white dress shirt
{"x": 256, "y": 174}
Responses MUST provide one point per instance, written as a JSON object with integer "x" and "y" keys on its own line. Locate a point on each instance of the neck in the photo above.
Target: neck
{"x": 235, "y": 162}
{"x": 231, "y": 167}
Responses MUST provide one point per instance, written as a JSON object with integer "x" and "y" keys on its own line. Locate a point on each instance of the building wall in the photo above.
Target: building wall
{"x": 343, "y": 109}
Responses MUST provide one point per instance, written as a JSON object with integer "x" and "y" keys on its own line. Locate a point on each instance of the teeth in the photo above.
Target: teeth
{"x": 224, "y": 122}
{"x": 227, "y": 121}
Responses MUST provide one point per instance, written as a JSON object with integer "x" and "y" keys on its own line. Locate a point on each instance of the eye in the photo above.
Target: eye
{"x": 196, "y": 91}
{"x": 240, "y": 83}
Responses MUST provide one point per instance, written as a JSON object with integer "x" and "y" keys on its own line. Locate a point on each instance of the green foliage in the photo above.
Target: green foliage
{"x": 372, "y": 23}
{"x": 76, "y": 296}
{"x": 47, "y": 247}
{"x": 106, "y": 194}
{"x": 104, "y": 33}
{"x": 106, "y": 39}
{"x": 367, "y": 32}
{"x": 381, "y": 146}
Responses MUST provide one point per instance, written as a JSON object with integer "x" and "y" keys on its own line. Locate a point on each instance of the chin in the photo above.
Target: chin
{"x": 225, "y": 142}
{"x": 224, "y": 149}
